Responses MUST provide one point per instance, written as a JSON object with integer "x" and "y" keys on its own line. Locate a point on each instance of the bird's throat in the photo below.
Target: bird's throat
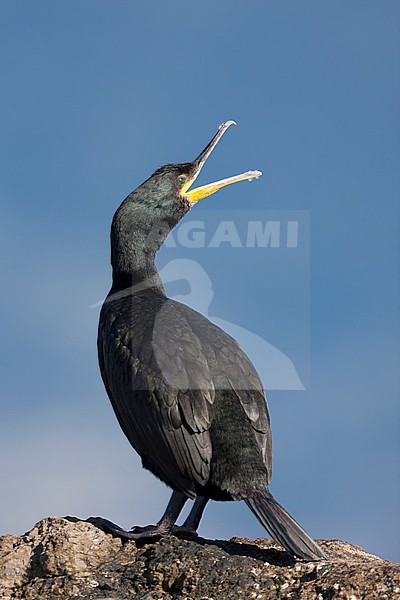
{"x": 133, "y": 251}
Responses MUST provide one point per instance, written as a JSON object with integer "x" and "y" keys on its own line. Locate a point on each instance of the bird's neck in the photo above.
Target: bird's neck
{"x": 136, "y": 236}
{"x": 134, "y": 268}
{"x": 137, "y": 281}
{"x": 133, "y": 250}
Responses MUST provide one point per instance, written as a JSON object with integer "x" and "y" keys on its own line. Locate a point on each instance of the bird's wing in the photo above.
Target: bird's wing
{"x": 253, "y": 401}
{"x": 160, "y": 386}
{"x": 240, "y": 375}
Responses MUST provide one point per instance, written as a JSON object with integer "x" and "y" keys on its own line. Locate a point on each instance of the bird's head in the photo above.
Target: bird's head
{"x": 191, "y": 171}
{"x": 148, "y": 214}
{"x": 172, "y": 184}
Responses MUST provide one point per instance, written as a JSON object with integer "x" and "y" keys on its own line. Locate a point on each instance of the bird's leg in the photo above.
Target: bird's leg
{"x": 167, "y": 521}
{"x": 190, "y": 525}
{"x": 194, "y": 517}
{"x": 163, "y": 527}
{"x": 192, "y": 522}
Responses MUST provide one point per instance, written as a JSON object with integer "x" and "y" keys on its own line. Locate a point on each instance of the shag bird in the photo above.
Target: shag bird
{"x": 186, "y": 395}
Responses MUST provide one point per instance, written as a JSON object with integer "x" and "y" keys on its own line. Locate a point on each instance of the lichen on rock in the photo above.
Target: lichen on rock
{"x": 69, "y": 558}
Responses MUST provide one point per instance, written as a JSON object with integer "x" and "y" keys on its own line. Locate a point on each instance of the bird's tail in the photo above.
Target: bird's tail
{"x": 282, "y": 527}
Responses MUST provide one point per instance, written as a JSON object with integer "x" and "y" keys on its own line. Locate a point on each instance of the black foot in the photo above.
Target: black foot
{"x": 158, "y": 530}
{"x": 137, "y": 533}
{"x": 141, "y": 533}
{"x": 181, "y": 531}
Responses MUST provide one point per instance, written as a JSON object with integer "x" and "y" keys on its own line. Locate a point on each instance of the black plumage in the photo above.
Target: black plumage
{"x": 185, "y": 394}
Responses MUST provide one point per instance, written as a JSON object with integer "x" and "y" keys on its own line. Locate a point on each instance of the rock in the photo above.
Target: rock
{"x": 68, "y": 558}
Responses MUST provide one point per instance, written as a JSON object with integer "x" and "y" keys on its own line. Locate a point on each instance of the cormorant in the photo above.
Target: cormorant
{"x": 184, "y": 392}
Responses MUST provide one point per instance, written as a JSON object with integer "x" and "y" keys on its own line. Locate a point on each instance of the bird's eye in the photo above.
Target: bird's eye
{"x": 181, "y": 180}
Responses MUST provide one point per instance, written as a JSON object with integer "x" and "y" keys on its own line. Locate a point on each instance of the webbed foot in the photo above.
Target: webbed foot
{"x": 136, "y": 533}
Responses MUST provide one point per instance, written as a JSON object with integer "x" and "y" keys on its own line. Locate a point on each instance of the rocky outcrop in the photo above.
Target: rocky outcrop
{"x": 68, "y": 558}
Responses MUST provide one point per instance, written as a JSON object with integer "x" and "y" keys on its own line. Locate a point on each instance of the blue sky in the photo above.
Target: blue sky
{"x": 95, "y": 96}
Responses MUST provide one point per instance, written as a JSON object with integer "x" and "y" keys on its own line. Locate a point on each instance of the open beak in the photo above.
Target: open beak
{"x": 210, "y": 188}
